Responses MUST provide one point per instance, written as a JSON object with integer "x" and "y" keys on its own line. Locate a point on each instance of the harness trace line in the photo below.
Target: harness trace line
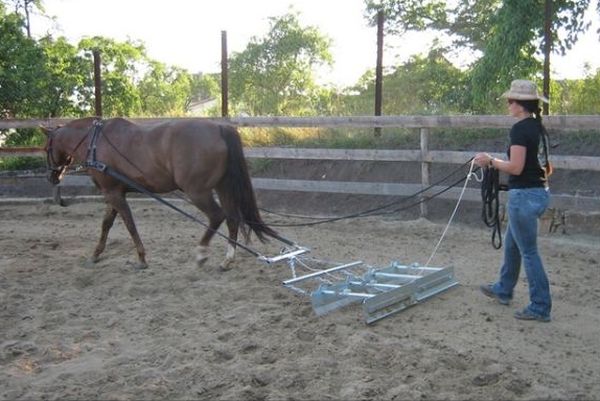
{"x": 380, "y": 210}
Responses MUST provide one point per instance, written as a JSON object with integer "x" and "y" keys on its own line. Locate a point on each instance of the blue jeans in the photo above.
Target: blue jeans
{"x": 525, "y": 206}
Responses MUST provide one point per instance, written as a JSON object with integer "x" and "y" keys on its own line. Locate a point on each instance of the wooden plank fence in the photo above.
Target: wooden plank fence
{"x": 425, "y": 124}
{"x": 574, "y": 122}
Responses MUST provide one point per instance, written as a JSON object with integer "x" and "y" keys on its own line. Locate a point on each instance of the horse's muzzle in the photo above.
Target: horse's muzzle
{"x": 53, "y": 177}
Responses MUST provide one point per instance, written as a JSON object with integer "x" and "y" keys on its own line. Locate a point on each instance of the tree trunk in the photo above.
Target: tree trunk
{"x": 547, "y": 51}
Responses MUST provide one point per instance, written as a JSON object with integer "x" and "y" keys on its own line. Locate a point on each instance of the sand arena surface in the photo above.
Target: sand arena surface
{"x": 176, "y": 331}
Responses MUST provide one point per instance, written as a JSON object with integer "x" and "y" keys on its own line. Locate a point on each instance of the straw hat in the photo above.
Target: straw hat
{"x": 522, "y": 89}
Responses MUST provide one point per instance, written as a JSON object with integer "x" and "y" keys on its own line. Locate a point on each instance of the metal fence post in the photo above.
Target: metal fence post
{"x": 425, "y": 167}
{"x": 379, "y": 70}
{"x": 224, "y": 76}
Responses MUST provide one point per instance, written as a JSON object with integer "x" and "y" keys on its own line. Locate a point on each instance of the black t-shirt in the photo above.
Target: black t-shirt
{"x": 527, "y": 133}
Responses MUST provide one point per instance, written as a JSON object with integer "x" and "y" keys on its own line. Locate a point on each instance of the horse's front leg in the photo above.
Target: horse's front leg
{"x": 119, "y": 203}
{"x": 107, "y": 223}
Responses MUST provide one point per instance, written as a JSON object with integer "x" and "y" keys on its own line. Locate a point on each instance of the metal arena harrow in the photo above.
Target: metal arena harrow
{"x": 381, "y": 291}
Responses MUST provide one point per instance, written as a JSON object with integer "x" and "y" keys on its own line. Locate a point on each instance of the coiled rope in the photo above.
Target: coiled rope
{"x": 490, "y": 197}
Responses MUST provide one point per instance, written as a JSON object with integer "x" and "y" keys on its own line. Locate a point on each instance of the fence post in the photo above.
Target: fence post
{"x": 547, "y": 51}
{"x": 97, "y": 83}
{"x": 425, "y": 167}
{"x": 379, "y": 70}
{"x": 224, "y": 76}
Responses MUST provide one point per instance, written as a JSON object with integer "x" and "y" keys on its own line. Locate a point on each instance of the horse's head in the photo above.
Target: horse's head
{"x": 57, "y": 158}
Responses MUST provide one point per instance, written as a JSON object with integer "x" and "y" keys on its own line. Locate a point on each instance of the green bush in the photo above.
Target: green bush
{"x": 13, "y": 163}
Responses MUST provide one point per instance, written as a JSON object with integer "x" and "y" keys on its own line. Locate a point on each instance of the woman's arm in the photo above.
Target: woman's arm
{"x": 514, "y": 166}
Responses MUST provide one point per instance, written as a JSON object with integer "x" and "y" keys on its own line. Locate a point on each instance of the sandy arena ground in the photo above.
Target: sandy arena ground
{"x": 176, "y": 331}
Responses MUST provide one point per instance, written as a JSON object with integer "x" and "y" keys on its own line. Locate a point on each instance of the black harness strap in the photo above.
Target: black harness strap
{"x": 96, "y": 129}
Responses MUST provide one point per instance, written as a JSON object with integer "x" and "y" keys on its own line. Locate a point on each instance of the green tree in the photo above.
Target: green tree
{"x": 67, "y": 74}
{"x": 274, "y": 74}
{"x": 132, "y": 83}
{"x": 120, "y": 69}
{"x": 577, "y": 96}
{"x": 408, "y": 15}
{"x": 21, "y": 65}
{"x": 165, "y": 90}
{"x": 24, "y": 8}
{"x": 506, "y": 33}
{"x": 513, "y": 50}
{"x": 205, "y": 87}
{"x": 422, "y": 85}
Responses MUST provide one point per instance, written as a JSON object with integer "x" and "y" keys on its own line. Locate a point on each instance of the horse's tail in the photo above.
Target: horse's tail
{"x": 238, "y": 185}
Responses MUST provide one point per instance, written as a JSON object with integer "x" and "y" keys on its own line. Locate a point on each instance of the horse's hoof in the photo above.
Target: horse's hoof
{"x": 89, "y": 263}
{"x": 140, "y": 266}
{"x": 226, "y": 265}
{"x": 200, "y": 261}
{"x": 137, "y": 265}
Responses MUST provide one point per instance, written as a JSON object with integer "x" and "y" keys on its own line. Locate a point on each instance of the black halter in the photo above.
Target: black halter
{"x": 51, "y": 164}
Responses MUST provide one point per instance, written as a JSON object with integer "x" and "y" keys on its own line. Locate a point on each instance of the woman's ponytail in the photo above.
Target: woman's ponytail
{"x": 546, "y": 165}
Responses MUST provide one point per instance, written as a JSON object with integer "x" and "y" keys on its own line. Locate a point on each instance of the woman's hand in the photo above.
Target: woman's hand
{"x": 483, "y": 159}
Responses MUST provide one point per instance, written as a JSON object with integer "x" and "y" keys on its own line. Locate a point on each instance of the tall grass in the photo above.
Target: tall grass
{"x": 336, "y": 138}
{"x": 16, "y": 163}
{"x": 366, "y": 138}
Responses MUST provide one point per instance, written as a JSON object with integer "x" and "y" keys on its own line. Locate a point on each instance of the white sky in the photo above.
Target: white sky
{"x": 187, "y": 33}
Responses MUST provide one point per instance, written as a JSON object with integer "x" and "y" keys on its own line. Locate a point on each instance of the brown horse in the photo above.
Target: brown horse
{"x": 193, "y": 156}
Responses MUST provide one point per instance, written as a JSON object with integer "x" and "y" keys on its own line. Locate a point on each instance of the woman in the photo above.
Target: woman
{"x": 528, "y": 198}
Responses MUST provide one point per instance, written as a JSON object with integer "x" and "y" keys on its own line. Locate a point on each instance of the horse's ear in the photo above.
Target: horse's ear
{"x": 45, "y": 129}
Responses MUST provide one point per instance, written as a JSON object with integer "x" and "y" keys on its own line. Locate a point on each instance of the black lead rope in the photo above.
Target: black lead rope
{"x": 380, "y": 210}
{"x": 490, "y": 196}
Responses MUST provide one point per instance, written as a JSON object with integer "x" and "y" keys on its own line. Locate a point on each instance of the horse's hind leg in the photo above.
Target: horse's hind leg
{"x": 107, "y": 223}
{"x": 207, "y": 204}
{"x": 233, "y": 225}
{"x": 119, "y": 203}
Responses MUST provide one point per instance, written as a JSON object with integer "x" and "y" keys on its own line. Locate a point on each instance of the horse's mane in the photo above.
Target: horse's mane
{"x": 81, "y": 122}
{"x": 86, "y": 122}
{"x": 122, "y": 121}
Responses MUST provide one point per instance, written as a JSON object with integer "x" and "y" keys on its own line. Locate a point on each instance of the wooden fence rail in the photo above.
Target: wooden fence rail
{"x": 426, "y": 126}
{"x": 579, "y": 122}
